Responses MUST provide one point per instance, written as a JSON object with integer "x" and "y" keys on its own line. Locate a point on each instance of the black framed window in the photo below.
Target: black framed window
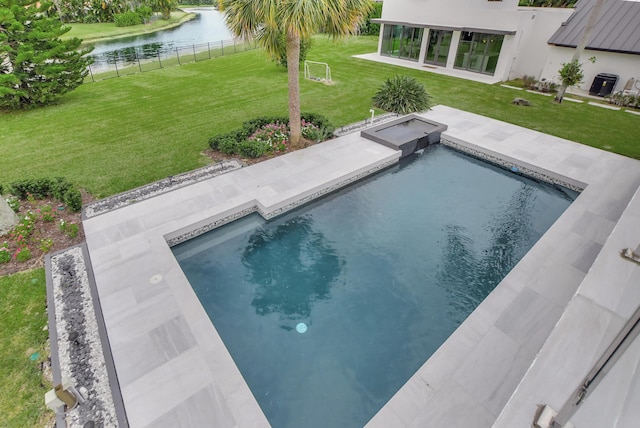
{"x": 401, "y": 41}
{"x": 478, "y": 52}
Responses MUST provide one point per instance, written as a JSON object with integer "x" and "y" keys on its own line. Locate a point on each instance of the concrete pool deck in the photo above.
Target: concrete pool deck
{"x": 521, "y": 347}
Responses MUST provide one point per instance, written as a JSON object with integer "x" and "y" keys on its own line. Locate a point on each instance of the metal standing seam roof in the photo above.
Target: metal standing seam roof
{"x": 617, "y": 29}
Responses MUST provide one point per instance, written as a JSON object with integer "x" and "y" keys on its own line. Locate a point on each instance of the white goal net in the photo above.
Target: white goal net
{"x": 317, "y": 71}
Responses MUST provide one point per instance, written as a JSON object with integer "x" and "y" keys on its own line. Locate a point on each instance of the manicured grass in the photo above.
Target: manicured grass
{"x": 22, "y": 318}
{"x": 108, "y": 30}
{"x": 116, "y": 134}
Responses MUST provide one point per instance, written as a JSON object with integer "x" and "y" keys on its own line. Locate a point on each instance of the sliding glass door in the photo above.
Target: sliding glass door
{"x": 401, "y": 42}
{"x": 478, "y": 52}
{"x": 438, "y": 47}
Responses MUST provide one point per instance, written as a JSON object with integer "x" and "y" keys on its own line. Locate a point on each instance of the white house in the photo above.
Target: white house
{"x": 614, "y": 43}
{"x": 502, "y": 40}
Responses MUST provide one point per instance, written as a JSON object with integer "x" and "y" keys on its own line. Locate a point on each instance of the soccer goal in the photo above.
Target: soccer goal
{"x": 317, "y": 71}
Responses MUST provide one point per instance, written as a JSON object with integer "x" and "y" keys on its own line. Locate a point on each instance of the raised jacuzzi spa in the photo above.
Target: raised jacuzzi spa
{"x": 407, "y": 134}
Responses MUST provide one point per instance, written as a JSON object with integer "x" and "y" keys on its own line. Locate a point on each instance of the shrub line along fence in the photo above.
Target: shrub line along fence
{"x": 139, "y": 59}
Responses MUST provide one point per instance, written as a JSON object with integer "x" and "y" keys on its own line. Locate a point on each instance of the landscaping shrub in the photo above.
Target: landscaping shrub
{"x": 73, "y": 199}
{"x": 45, "y": 245}
{"x": 318, "y": 134}
{"x": 127, "y": 19}
{"x": 59, "y": 187}
{"x": 23, "y": 254}
{"x": 265, "y": 134}
{"x": 402, "y": 95}
{"x": 319, "y": 120}
{"x": 41, "y": 188}
{"x": 546, "y": 86}
{"x": 623, "y": 100}
{"x": 228, "y": 146}
{"x": 273, "y": 134}
{"x": 5, "y": 254}
{"x": 253, "y": 148}
{"x": 237, "y": 135}
{"x": 145, "y": 12}
{"x": 528, "y": 82}
{"x": 70, "y": 229}
{"x": 251, "y": 126}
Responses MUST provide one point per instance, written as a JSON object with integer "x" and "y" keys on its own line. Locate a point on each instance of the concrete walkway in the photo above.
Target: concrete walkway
{"x": 174, "y": 370}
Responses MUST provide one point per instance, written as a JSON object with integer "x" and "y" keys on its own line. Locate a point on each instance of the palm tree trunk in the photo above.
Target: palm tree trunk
{"x": 560, "y": 94}
{"x": 293, "y": 71}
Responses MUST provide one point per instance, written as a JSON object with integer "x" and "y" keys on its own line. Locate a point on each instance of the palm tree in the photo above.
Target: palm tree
{"x": 267, "y": 20}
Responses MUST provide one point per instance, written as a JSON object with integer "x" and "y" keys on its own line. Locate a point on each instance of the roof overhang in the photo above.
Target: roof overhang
{"x": 589, "y": 48}
{"x": 446, "y": 27}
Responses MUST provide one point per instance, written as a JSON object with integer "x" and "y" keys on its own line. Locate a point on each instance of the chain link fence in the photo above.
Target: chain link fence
{"x": 154, "y": 56}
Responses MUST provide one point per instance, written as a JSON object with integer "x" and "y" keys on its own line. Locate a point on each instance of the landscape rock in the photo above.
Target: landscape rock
{"x": 8, "y": 218}
{"x": 520, "y": 102}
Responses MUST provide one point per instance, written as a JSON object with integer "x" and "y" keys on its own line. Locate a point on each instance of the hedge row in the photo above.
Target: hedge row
{"x": 40, "y": 188}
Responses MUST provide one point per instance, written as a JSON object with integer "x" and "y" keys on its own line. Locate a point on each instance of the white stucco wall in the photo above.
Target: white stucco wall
{"x": 624, "y": 65}
{"x": 536, "y": 26}
{"x": 480, "y": 14}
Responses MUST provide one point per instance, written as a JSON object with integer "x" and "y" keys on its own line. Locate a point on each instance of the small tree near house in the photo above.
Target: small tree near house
{"x": 571, "y": 75}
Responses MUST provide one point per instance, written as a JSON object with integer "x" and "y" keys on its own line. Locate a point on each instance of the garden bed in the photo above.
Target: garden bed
{"x": 46, "y": 236}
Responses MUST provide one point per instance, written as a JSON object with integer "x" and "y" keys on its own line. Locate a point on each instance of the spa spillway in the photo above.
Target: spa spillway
{"x": 408, "y": 133}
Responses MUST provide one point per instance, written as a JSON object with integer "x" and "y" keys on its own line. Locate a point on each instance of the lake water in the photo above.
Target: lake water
{"x": 207, "y": 27}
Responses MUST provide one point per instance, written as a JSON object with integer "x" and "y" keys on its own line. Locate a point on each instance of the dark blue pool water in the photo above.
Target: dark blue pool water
{"x": 379, "y": 274}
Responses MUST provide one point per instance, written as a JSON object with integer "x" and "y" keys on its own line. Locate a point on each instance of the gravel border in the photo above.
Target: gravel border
{"x": 357, "y": 126}
{"x": 78, "y": 353}
{"x": 174, "y": 182}
{"x": 158, "y": 187}
{"x": 514, "y": 166}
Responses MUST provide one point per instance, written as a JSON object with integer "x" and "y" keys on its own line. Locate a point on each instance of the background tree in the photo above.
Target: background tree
{"x": 36, "y": 66}
{"x": 372, "y": 28}
{"x": 402, "y": 95}
{"x": 547, "y": 3}
{"x": 594, "y": 14}
{"x": 267, "y": 20}
{"x": 280, "y": 57}
{"x": 90, "y": 11}
{"x": 164, "y": 7}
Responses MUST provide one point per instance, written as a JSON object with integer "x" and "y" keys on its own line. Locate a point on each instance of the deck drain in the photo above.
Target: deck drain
{"x": 155, "y": 279}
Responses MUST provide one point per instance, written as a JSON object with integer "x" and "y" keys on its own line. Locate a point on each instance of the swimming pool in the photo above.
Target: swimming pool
{"x": 328, "y": 310}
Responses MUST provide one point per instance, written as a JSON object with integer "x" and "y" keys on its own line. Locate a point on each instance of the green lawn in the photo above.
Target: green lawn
{"x": 107, "y": 30}
{"x": 23, "y": 315}
{"x": 116, "y": 134}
